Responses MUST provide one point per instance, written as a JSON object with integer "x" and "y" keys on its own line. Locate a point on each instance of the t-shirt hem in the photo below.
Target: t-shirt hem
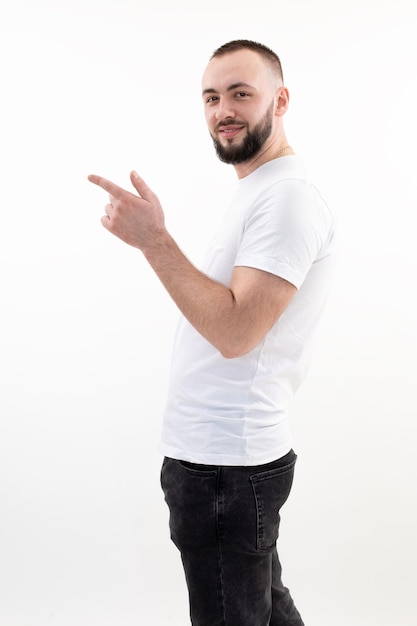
{"x": 225, "y": 459}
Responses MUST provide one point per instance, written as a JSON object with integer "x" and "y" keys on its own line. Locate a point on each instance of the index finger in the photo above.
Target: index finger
{"x": 107, "y": 185}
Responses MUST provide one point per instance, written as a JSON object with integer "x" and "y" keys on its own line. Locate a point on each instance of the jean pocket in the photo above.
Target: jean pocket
{"x": 191, "y": 497}
{"x": 198, "y": 468}
{"x": 271, "y": 489}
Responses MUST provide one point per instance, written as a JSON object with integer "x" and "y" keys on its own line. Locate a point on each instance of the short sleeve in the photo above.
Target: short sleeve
{"x": 284, "y": 231}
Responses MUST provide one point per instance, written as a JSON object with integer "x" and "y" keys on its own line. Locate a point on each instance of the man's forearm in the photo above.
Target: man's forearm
{"x": 208, "y": 305}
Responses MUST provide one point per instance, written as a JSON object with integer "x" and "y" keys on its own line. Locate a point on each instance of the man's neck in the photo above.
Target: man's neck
{"x": 273, "y": 151}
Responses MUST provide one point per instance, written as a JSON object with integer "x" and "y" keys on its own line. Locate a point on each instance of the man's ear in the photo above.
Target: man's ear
{"x": 282, "y": 101}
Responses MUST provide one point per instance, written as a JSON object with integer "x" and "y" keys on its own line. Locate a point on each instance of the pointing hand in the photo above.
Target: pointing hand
{"x": 136, "y": 219}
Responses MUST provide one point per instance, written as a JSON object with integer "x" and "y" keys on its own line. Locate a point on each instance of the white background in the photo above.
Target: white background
{"x": 101, "y": 86}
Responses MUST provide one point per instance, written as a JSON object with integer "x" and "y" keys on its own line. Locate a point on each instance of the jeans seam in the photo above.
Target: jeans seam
{"x": 261, "y": 542}
{"x": 219, "y": 541}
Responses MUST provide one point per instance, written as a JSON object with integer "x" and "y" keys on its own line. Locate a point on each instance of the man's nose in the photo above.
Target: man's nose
{"x": 224, "y": 110}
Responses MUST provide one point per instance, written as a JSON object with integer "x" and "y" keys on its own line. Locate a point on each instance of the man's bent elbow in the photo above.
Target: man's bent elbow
{"x": 235, "y": 350}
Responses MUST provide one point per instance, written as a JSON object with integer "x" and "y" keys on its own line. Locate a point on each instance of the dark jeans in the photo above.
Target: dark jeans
{"x": 225, "y": 521}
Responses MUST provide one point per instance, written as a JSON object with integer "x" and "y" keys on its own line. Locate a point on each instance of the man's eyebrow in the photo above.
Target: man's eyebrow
{"x": 238, "y": 85}
{"x": 229, "y": 88}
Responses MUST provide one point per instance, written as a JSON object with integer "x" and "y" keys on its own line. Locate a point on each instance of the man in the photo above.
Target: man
{"x": 242, "y": 345}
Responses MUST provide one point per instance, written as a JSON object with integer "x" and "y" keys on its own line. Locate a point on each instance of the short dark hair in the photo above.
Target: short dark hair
{"x": 260, "y": 48}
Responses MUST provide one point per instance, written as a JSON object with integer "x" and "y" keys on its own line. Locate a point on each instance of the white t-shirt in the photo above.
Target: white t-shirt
{"x": 235, "y": 411}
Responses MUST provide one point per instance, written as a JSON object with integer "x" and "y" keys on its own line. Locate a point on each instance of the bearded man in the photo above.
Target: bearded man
{"x": 243, "y": 343}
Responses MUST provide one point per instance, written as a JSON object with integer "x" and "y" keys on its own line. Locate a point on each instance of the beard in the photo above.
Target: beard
{"x": 250, "y": 145}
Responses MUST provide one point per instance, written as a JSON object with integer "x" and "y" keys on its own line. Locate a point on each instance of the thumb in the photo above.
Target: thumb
{"x": 141, "y": 187}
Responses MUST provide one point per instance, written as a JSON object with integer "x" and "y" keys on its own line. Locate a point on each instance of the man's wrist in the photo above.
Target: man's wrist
{"x": 159, "y": 244}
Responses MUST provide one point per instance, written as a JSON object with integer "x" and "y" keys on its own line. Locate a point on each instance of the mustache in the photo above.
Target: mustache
{"x": 229, "y": 122}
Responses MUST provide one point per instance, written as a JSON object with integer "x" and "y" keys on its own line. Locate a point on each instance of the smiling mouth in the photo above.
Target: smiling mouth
{"x": 230, "y": 131}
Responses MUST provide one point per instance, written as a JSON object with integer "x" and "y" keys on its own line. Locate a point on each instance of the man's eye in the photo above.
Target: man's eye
{"x": 211, "y": 99}
{"x": 241, "y": 94}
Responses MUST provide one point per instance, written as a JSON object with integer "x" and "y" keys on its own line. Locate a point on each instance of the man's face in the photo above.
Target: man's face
{"x": 248, "y": 146}
{"x": 238, "y": 95}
